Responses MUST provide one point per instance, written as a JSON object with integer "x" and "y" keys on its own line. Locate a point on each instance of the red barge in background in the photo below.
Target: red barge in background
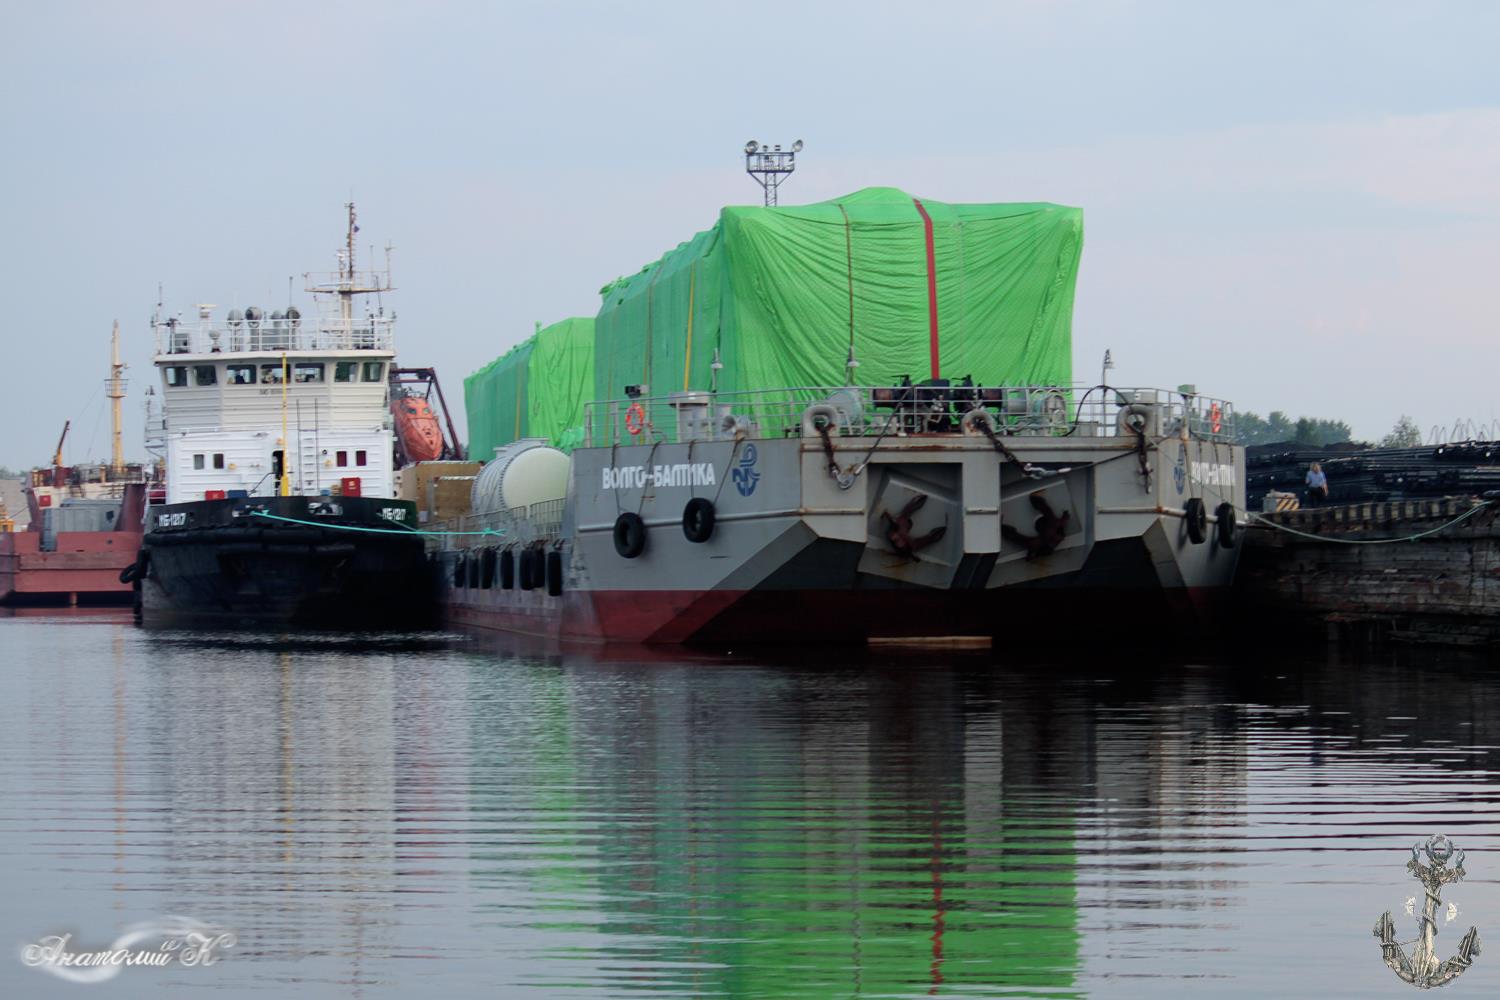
{"x": 84, "y": 523}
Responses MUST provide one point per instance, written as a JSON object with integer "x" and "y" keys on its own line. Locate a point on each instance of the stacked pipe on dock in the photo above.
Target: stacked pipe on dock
{"x": 1365, "y": 475}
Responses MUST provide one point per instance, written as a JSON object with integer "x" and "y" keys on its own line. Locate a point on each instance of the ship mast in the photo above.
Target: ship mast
{"x": 116, "y": 393}
{"x": 348, "y": 282}
{"x": 346, "y": 289}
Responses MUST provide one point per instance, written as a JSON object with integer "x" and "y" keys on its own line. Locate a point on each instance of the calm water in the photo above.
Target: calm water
{"x": 450, "y": 816}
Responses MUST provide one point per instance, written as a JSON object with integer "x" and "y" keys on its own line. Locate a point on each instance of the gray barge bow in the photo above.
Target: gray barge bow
{"x": 854, "y": 514}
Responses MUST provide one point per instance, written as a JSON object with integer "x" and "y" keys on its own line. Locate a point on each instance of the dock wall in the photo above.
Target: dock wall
{"x": 1442, "y": 587}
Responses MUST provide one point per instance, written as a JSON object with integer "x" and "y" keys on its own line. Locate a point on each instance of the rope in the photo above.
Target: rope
{"x": 728, "y": 468}
{"x": 641, "y": 505}
{"x": 1372, "y": 541}
{"x": 849, "y": 260}
{"x": 374, "y": 531}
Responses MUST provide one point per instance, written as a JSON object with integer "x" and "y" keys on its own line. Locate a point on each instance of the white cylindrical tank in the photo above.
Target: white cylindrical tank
{"x": 522, "y": 473}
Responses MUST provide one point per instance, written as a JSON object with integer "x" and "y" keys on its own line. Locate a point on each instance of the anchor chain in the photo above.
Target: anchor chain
{"x": 1027, "y": 469}
{"x": 1140, "y": 451}
{"x": 839, "y": 476}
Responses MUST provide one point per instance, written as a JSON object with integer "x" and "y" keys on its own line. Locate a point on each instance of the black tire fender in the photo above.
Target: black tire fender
{"x": 630, "y": 535}
{"x": 1196, "y": 516}
{"x": 1224, "y": 530}
{"x": 698, "y": 519}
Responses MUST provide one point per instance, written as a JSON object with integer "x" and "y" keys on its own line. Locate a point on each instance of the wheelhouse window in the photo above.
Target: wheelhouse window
{"x": 374, "y": 371}
{"x": 346, "y": 371}
{"x": 270, "y": 374}
{"x": 176, "y": 376}
{"x": 307, "y": 373}
{"x": 205, "y": 375}
{"x": 197, "y": 461}
{"x": 240, "y": 374}
{"x": 343, "y": 459}
{"x": 218, "y": 460}
{"x": 359, "y": 458}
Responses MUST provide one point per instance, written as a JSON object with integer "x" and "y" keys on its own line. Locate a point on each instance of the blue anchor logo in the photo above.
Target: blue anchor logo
{"x": 745, "y": 476}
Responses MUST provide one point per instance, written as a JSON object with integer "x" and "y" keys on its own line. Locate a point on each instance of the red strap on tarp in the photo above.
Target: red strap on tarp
{"x": 932, "y": 324}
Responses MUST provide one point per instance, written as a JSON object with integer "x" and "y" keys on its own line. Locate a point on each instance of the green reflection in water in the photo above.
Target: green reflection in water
{"x": 666, "y": 836}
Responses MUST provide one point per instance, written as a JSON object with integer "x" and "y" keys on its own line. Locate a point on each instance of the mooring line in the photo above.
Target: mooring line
{"x": 1372, "y": 541}
{"x": 498, "y": 533}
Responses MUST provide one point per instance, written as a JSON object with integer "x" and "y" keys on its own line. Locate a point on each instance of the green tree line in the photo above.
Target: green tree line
{"x": 1314, "y": 432}
{"x": 1309, "y": 432}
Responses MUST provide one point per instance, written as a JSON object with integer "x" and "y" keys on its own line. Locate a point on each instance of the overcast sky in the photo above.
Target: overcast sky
{"x": 1292, "y": 205}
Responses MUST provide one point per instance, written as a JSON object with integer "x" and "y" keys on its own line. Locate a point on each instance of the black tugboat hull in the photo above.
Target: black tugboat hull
{"x": 312, "y": 562}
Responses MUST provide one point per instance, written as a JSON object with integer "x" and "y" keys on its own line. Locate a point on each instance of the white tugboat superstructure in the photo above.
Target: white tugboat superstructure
{"x": 250, "y": 396}
{"x": 278, "y": 441}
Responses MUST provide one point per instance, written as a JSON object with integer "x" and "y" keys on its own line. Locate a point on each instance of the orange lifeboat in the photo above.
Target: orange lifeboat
{"x": 417, "y": 428}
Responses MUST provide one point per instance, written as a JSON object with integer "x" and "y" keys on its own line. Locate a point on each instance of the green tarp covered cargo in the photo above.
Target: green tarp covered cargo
{"x": 537, "y": 389}
{"x": 916, "y": 287}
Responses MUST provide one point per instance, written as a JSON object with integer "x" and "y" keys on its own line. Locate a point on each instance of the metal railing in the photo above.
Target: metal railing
{"x": 865, "y": 411}
{"x": 369, "y": 333}
{"x": 539, "y": 522}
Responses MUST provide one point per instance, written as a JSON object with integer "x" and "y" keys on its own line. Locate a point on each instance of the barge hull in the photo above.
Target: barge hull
{"x": 1075, "y": 608}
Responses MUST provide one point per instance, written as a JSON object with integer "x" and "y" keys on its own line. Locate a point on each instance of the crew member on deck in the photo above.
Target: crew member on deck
{"x": 1317, "y": 485}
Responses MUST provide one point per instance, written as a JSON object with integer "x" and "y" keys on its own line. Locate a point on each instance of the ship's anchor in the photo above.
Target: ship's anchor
{"x": 1422, "y": 969}
{"x": 898, "y": 529}
{"x": 1050, "y": 528}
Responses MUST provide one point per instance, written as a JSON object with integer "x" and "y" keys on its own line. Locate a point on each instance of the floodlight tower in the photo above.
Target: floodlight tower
{"x": 770, "y": 165}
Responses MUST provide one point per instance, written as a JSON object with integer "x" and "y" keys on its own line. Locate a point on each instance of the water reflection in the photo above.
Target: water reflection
{"x": 380, "y": 817}
{"x": 736, "y": 832}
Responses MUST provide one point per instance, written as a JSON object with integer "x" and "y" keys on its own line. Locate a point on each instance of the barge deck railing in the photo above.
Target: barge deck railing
{"x": 899, "y": 411}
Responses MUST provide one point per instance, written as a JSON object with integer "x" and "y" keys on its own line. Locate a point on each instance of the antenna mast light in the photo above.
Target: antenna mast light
{"x": 770, "y": 165}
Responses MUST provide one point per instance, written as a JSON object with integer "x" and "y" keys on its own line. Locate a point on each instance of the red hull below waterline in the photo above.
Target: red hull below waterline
{"x": 1015, "y": 616}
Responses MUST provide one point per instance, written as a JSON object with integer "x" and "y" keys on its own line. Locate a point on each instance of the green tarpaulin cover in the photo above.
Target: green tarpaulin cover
{"x": 782, "y": 293}
{"x": 537, "y": 389}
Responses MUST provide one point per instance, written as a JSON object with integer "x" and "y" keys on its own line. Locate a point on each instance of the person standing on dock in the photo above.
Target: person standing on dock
{"x": 1317, "y": 485}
